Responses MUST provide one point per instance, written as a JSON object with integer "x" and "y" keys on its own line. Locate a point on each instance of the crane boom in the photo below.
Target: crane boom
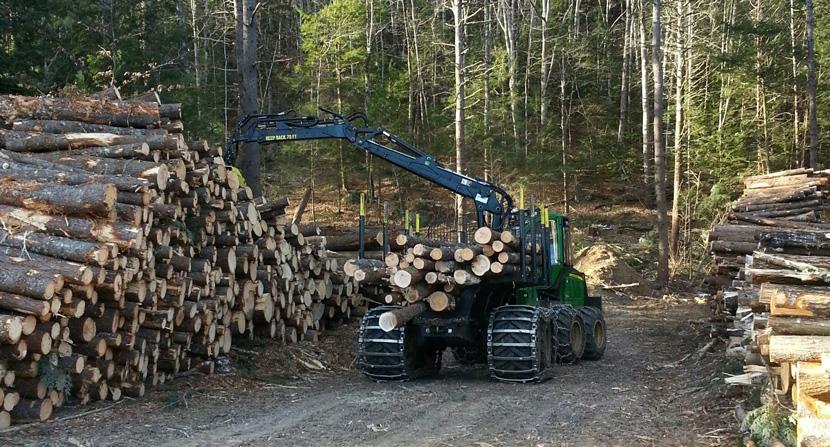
{"x": 280, "y": 128}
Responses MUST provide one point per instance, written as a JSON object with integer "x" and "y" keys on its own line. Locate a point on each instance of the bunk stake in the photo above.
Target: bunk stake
{"x": 361, "y": 227}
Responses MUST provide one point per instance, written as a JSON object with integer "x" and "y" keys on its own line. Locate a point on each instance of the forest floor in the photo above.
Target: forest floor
{"x": 654, "y": 387}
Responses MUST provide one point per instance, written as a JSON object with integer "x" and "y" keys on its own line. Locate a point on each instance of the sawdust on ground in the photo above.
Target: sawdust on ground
{"x": 604, "y": 269}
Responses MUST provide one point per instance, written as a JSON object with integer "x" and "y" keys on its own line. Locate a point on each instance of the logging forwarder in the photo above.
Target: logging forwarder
{"x": 519, "y": 324}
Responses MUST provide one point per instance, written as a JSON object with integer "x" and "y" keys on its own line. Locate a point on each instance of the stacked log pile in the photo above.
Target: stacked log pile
{"x": 782, "y": 200}
{"x": 431, "y": 274}
{"x": 128, "y": 255}
{"x": 778, "y": 292}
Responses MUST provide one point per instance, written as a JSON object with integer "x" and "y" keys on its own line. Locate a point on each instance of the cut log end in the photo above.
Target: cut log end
{"x": 388, "y": 321}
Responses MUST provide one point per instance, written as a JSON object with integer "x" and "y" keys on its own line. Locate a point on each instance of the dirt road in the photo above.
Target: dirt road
{"x": 639, "y": 394}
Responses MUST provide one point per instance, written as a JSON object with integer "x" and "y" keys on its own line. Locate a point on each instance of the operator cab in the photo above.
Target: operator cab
{"x": 561, "y": 248}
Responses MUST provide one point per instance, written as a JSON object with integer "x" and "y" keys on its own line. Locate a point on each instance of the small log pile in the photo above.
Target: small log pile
{"x": 778, "y": 297}
{"x": 431, "y": 274}
{"x": 128, "y": 255}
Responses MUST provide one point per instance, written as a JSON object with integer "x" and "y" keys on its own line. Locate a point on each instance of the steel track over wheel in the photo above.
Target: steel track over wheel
{"x": 520, "y": 344}
{"x": 595, "y": 332}
{"x": 568, "y": 333}
{"x": 392, "y": 356}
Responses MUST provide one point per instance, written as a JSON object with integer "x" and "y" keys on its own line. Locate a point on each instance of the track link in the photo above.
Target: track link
{"x": 520, "y": 344}
{"x": 391, "y": 356}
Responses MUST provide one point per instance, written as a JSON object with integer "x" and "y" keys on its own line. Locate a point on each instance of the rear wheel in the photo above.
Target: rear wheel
{"x": 595, "y": 333}
{"x": 520, "y": 344}
{"x": 395, "y": 355}
{"x": 568, "y": 330}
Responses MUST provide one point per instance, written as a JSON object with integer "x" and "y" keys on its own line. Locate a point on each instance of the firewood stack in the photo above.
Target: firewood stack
{"x": 791, "y": 199}
{"x": 779, "y": 294}
{"x": 425, "y": 271}
{"x": 128, "y": 255}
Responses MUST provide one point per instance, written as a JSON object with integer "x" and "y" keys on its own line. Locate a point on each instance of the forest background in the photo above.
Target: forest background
{"x": 559, "y": 97}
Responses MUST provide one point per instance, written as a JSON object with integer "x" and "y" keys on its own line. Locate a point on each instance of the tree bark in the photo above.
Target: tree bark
{"x": 57, "y": 247}
{"x": 24, "y": 141}
{"x": 796, "y": 99}
{"x": 624, "y": 74}
{"x": 73, "y": 273}
{"x": 799, "y": 326}
{"x": 648, "y": 155}
{"x": 89, "y": 110}
{"x": 125, "y": 236}
{"x": 156, "y": 173}
{"x": 28, "y": 282}
{"x": 250, "y": 156}
{"x": 508, "y": 25}
{"x": 63, "y": 127}
{"x": 90, "y": 199}
{"x": 796, "y": 301}
{"x": 812, "y": 160}
{"x": 813, "y": 380}
{"x": 460, "y": 23}
{"x": 797, "y": 348}
{"x": 44, "y": 170}
{"x": 678, "y": 131}
{"x": 659, "y": 149}
{"x": 488, "y": 45}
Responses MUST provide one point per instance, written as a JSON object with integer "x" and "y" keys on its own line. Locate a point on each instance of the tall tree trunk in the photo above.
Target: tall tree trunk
{"x": 678, "y": 128}
{"x": 197, "y": 77}
{"x": 459, "y": 21}
{"x": 624, "y": 75}
{"x": 648, "y": 155}
{"x": 796, "y": 122}
{"x": 370, "y": 22}
{"x": 488, "y": 45}
{"x": 508, "y": 25}
{"x": 544, "y": 68}
{"x": 528, "y": 66}
{"x": 762, "y": 146}
{"x": 410, "y": 75}
{"x": 339, "y": 77}
{"x": 422, "y": 97}
{"x": 811, "y": 88}
{"x": 687, "y": 105}
{"x": 250, "y": 157}
{"x": 659, "y": 149}
{"x": 563, "y": 130}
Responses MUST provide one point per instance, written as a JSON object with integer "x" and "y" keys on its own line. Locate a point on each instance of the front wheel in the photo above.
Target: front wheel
{"x": 393, "y": 356}
{"x": 520, "y": 344}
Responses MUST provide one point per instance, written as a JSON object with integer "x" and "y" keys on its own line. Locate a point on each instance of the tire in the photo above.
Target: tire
{"x": 520, "y": 344}
{"x": 569, "y": 334}
{"x": 393, "y": 356}
{"x": 595, "y": 333}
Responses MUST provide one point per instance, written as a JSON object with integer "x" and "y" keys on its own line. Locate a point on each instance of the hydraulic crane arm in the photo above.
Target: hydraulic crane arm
{"x": 268, "y": 129}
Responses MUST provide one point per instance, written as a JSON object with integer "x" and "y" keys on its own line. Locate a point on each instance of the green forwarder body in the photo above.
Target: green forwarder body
{"x": 519, "y": 325}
